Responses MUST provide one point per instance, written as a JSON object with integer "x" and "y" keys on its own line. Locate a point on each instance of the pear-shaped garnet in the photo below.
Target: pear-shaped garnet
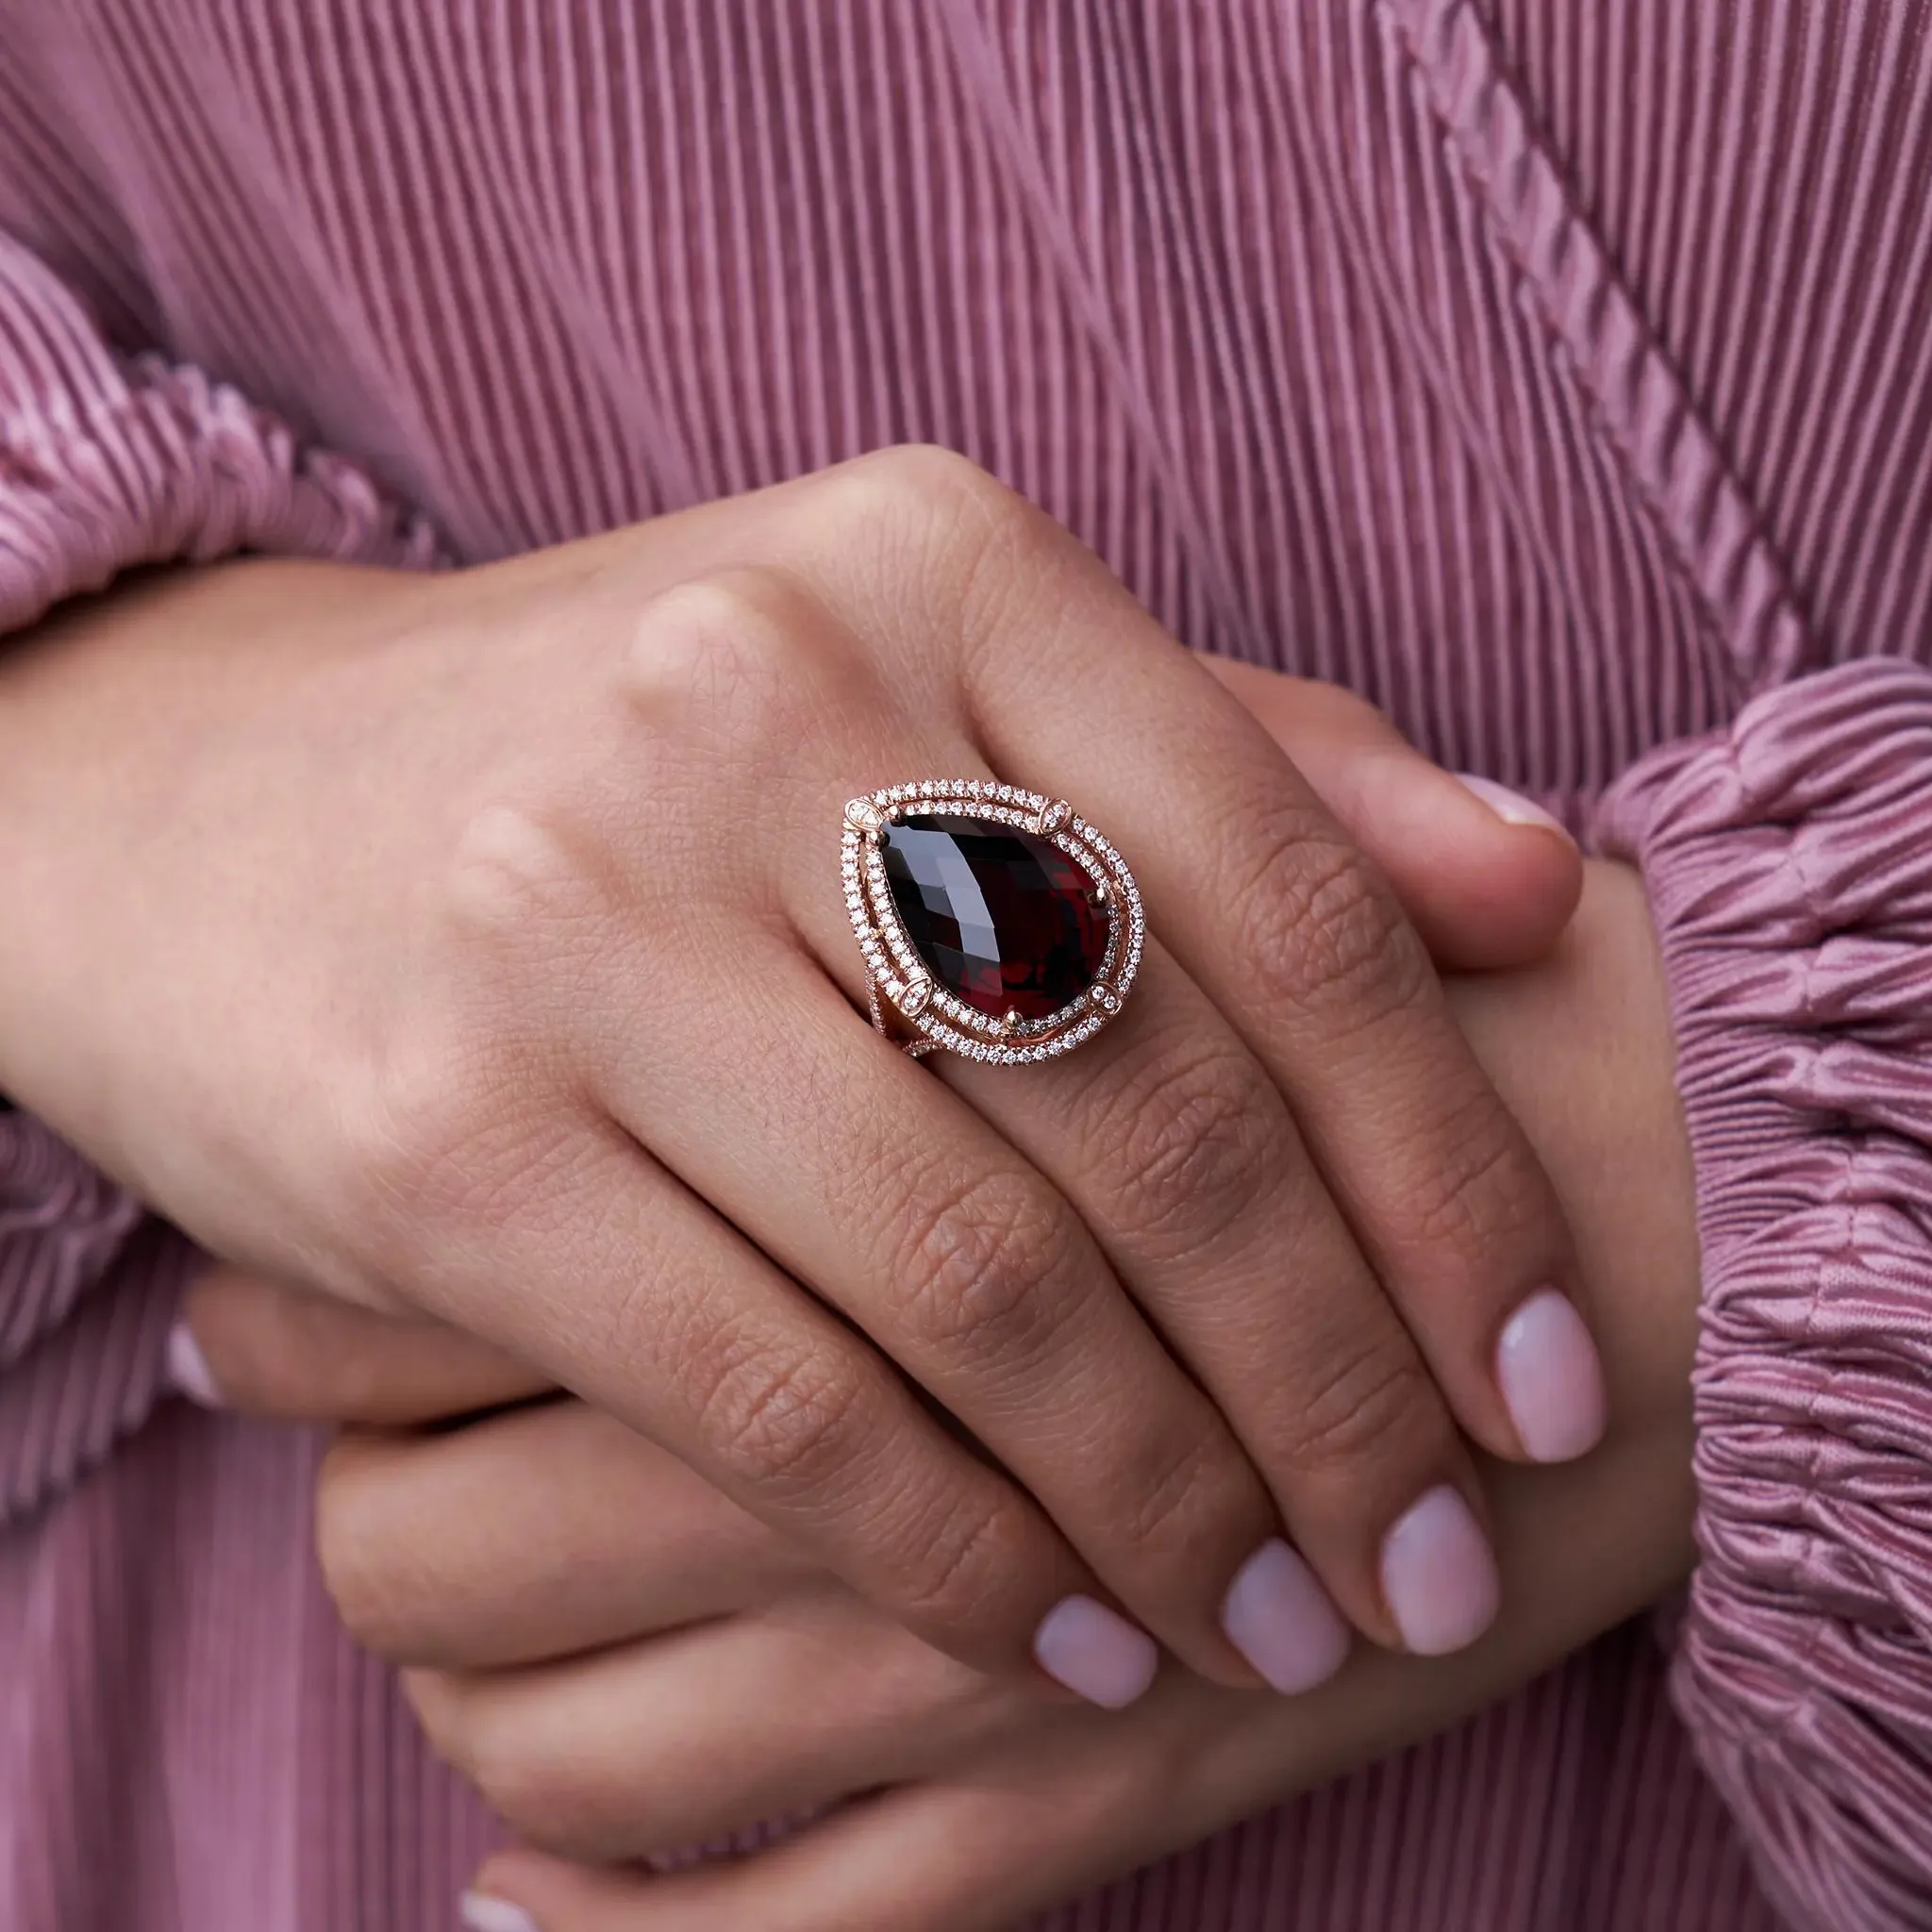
{"x": 1004, "y": 919}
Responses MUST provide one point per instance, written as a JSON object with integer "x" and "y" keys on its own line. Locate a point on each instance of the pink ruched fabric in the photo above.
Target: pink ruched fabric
{"x": 1555, "y": 374}
{"x": 110, "y": 461}
{"x": 1790, "y": 863}
{"x": 74, "y": 1377}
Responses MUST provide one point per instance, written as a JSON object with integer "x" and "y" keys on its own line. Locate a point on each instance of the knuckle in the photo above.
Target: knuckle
{"x": 1485, "y": 1189}
{"x": 1372, "y": 1406}
{"x": 1182, "y": 1493}
{"x": 515, "y": 870}
{"x": 922, "y": 527}
{"x": 449, "y": 1135}
{"x": 549, "y": 1799}
{"x": 445, "y": 1712}
{"x": 1322, "y": 935}
{"x": 964, "y": 1565}
{"x": 723, "y": 661}
{"x": 921, "y": 476}
{"x": 983, "y": 1267}
{"x": 789, "y": 1425}
{"x": 1200, "y": 1140}
{"x": 378, "y": 1579}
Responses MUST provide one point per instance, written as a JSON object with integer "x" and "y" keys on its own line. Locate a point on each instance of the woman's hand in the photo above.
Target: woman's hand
{"x": 627, "y": 1664}
{"x": 474, "y": 949}
{"x": 1481, "y": 899}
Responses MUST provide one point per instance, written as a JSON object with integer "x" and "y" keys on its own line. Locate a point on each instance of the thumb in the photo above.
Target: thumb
{"x": 1489, "y": 878}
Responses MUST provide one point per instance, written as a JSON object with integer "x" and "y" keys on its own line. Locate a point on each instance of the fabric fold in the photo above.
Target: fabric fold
{"x": 108, "y": 463}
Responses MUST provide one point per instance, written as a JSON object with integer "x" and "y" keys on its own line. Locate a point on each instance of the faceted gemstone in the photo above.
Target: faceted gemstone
{"x": 1005, "y": 921}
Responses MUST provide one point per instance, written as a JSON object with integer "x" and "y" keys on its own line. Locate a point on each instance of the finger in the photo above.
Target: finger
{"x": 1489, "y": 879}
{"x": 628, "y": 1289}
{"x": 261, "y": 1346}
{"x": 1173, "y": 1143}
{"x": 919, "y": 1858}
{"x": 684, "y": 1740}
{"x": 900, "y": 1206}
{"x": 1301, "y": 944}
{"x": 590, "y": 1535}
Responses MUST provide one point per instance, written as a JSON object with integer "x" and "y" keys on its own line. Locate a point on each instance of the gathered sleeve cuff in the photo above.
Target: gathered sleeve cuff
{"x": 1788, "y": 861}
{"x": 108, "y": 462}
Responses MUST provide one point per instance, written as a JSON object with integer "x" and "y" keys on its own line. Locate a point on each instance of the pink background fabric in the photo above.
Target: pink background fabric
{"x": 1555, "y": 374}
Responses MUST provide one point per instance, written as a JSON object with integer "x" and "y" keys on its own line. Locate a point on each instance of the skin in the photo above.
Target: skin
{"x": 493, "y": 969}
{"x": 625, "y": 1663}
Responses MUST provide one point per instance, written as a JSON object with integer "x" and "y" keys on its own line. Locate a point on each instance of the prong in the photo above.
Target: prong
{"x": 1051, "y": 816}
{"x": 914, "y": 997}
{"x": 1009, "y": 1022}
{"x": 1097, "y": 894}
{"x": 863, "y": 815}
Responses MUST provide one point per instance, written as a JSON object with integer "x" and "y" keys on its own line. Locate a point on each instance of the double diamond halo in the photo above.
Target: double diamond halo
{"x": 992, "y": 920}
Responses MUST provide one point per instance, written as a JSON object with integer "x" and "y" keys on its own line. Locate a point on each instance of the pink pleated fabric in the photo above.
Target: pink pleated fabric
{"x": 1556, "y": 372}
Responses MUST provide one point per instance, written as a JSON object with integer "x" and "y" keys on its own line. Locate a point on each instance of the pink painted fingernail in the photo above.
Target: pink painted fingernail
{"x": 484, "y": 1914}
{"x": 1095, "y": 1653}
{"x": 1512, "y": 806}
{"x": 1439, "y": 1577}
{"x": 1279, "y": 1618}
{"x": 1552, "y": 1378}
{"x": 187, "y": 1368}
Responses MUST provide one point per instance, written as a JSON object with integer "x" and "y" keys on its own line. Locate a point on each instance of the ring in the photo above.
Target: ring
{"x": 994, "y": 922}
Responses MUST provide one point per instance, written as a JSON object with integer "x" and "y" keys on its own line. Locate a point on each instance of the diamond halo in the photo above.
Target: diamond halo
{"x": 907, "y": 998}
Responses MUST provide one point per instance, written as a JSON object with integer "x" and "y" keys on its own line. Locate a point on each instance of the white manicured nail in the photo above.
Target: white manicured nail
{"x": 482, "y": 1914}
{"x": 1512, "y": 806}
{"x": 187, "y": 1368}
{"x": 1095, "y": 1652}
{"x": 1439, "y": 1575}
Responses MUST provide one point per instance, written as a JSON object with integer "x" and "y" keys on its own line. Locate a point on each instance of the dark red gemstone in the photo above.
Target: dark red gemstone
{"x": 1005, "y": 920}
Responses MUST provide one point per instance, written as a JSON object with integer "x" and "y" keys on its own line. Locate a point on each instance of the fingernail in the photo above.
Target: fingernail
{"x": 1279, "y": 1618}
{"x": 187, "y": 1368}
{"x": 1439, "y": 1577}
{"x": 1551, "y": 1377}
{"x": 483, "y": 1914}
{"x": 1095, "y": 1653}
{"x": 1512, "y": 806}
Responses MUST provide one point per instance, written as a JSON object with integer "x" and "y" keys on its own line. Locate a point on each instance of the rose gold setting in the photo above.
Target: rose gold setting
{"x": 897, "y": 980}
